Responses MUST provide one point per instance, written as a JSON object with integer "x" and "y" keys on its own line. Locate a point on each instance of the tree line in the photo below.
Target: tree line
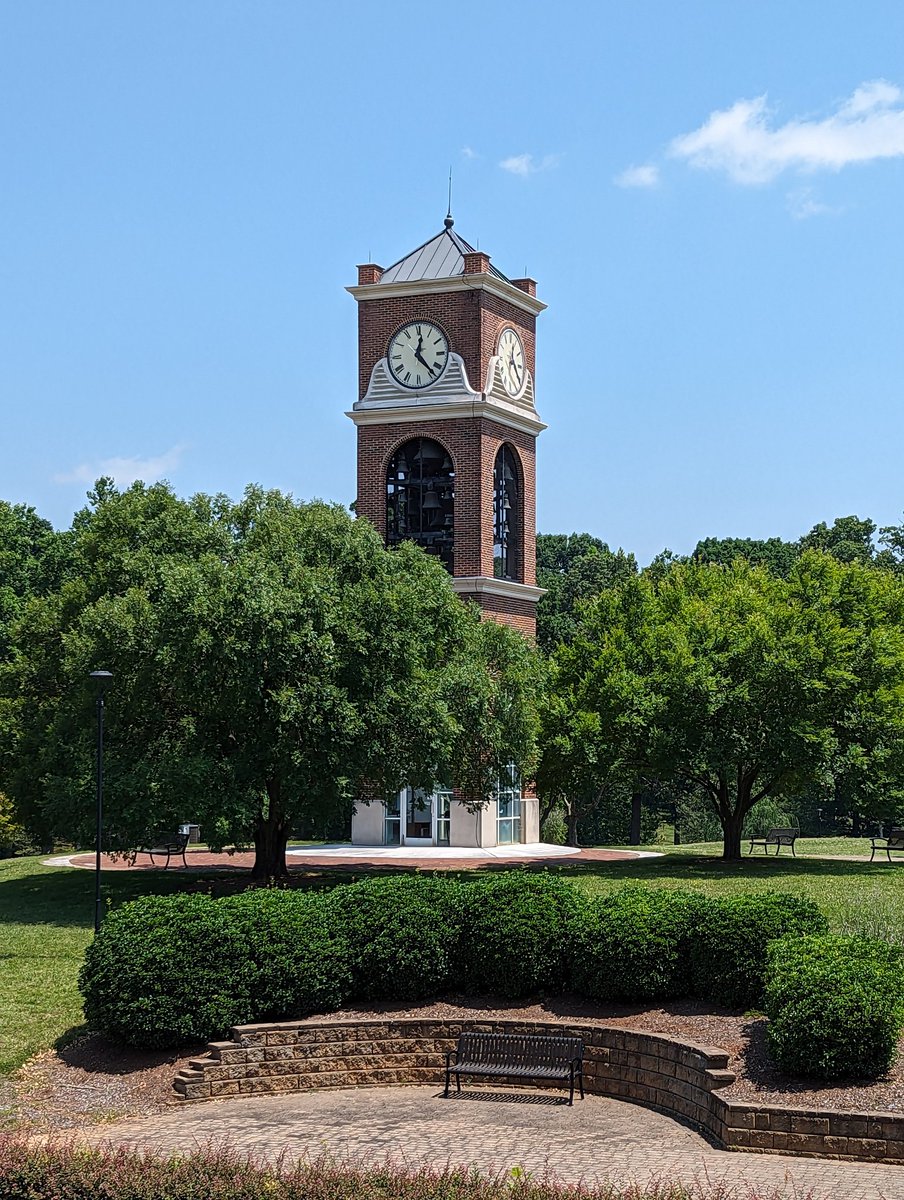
{"x": 274, "y": 665}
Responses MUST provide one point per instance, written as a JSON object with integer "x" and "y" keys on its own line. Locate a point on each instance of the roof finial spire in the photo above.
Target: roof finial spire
{"x": 448, "y": 221}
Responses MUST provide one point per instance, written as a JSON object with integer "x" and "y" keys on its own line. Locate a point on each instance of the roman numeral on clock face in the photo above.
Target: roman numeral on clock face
{"x": 417, "y": 354}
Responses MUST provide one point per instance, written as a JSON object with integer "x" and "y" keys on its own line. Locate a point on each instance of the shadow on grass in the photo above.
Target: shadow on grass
{"x": 64, "y": 897}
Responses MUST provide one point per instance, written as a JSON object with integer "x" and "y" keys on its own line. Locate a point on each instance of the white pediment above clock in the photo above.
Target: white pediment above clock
{"x": 451, "y": 396}
{"x": 495, "y": 386}
{"x": 385, "y": 389}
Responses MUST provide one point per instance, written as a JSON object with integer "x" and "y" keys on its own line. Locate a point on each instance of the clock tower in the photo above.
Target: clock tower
{"x": 446, "y": 418}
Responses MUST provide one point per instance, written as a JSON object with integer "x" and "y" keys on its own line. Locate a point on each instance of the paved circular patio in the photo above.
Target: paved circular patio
{"x": 343, "y": 856}
{"x": 596, "y": 1139}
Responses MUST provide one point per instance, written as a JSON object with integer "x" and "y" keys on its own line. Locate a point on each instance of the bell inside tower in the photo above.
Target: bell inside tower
{"x": 420, "y": 498}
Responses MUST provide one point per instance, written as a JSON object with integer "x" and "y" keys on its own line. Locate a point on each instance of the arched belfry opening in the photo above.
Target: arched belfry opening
{"x": 507, "y": 515}
{"x": 420, "y": 498}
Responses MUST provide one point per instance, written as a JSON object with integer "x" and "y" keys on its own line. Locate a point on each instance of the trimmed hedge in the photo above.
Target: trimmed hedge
{"x": 402, "y": 935}
{"x": 835, "y": 1005}
{"x": 636, "y": 943}
{"x": 297, "y": 953}
{"x": 728, "y": 956}
{"x": 165, "y": 970}
{"x": 517, "y": 929}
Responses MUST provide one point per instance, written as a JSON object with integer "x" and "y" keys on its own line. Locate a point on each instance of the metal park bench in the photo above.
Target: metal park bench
{"x": 526, "y": 1056}
{"x": 893, "y": 841}
{"x": 168, "y": 844}
{"x": 777, "y": 837}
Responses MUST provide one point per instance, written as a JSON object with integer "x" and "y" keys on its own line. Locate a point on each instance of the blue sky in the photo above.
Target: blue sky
{"x": 709, "y": 194}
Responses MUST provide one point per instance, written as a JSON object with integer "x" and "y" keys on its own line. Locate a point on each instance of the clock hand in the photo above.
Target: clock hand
{"x": 422, "y": 360}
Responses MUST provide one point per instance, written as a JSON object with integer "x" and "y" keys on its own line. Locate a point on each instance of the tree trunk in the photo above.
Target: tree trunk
{"x": 571, "y": 817}
{"x": 856, "y": 826}
{"x": 271, "y": 834}
{"x": 636, "y": 806}
{"x": 732, "y": 829}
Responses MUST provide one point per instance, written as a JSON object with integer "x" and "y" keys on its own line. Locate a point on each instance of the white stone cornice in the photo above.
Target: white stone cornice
{"x": 456, "y": 283}
{"x": 488, "y": 586}
{"x": 386, "y": 402}
{"x": 423, "y": 409}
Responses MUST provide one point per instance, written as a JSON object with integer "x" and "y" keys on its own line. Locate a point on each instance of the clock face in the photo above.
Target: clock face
{"x": 418, "y": 354}
{"x": 511, "y": 362}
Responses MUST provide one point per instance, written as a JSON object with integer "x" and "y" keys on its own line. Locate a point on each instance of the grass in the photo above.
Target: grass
{"x": 857, "y": 897}
{"x": 47, "y": 915}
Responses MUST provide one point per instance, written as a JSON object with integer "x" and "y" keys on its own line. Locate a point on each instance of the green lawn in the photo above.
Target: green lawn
{"x": 47, "y": 914}
{"x": 46, "y": 921}
{"x": 857, "y": 897}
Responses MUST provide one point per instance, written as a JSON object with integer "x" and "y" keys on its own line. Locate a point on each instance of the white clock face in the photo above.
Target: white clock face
{"x": 511, "y": 362}
{"x": 418, "y": 354}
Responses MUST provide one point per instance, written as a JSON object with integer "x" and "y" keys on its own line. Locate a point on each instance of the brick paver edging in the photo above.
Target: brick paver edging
{"x": 677, "y": 1076}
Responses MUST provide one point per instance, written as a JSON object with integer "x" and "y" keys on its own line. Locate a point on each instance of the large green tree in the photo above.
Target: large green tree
{"x": 271, "y": 660}
{"x": 573, "y": 567}
{"x": 742, "y": 683}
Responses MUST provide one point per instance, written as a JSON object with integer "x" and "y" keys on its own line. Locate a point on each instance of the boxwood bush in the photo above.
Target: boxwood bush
{"x": 835, "y": 1005}
{"x": 728, "y": 955}
{"x": 165, "y": 970}
{"x": 402, "y": 935}
{"x": 517, "y": 930}
{"x": 297, "y": 952}
{"x": 636, "y": 944}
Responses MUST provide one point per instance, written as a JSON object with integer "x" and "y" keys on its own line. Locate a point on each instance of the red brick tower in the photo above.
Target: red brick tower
{"x": 446, "y": 418}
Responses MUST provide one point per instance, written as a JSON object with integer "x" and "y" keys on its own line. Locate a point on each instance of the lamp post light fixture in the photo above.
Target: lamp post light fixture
{"x": 101, "y": 680}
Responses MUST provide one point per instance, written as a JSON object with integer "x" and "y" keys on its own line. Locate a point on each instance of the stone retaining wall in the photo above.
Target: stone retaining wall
{"x": 677, "y": 1076}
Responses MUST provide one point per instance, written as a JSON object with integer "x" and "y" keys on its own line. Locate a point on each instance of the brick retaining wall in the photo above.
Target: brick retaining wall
{"x": 674, "y": 1075}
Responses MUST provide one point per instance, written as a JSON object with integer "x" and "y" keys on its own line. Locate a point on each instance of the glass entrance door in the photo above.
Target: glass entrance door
{"x": 419, "y": 811}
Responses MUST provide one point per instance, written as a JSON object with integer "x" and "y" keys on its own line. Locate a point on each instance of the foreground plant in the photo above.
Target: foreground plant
{"x": 65, "y": 1171}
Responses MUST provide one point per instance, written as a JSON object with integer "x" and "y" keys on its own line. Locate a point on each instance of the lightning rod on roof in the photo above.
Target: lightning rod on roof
{"x": 448, "y": 221}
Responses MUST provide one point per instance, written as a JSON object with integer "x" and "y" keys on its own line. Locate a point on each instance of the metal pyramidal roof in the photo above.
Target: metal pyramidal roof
{"x": 441, "y": 258}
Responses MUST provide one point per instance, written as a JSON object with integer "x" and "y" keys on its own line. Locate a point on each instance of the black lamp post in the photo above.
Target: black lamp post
{"x": 101, "y": 682}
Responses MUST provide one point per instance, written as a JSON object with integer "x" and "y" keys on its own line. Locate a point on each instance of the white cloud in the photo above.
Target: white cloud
{"x": 742, "y": 141}
{"x": 638, "y": 177}
{"x": 803, "y": 203}
{"x": 526, "y": 164}
{"x": 468, "y": 152}
{"x": 125, "y": 470}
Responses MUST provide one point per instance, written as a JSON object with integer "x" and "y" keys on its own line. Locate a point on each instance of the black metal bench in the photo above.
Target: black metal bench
{"x": 525, "y": 1056}
{"x": 168, "y": 844}
{"x": 777, "y": 837}
{"x": 894, "y": 841}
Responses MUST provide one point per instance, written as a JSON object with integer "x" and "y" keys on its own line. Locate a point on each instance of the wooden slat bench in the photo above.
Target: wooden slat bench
{"x": 893, "y": 841}
{"x": 777, "y": 837}
{"x": 527, "y": 1056}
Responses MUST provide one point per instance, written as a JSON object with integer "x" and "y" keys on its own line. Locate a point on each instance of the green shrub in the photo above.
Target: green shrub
{"x": 165, "y": 970}
{"x": 728, "y": 958}
{"x": 636, "y": 944}
{"x": 298, "y": 956}
{"x": 835, "y": 1005}
{"x": 517, "y": 930}
{"x": 402, "y": 935}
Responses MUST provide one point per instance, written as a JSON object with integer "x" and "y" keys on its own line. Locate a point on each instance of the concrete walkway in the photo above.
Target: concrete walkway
{"x": 597, "y": 1139}
{"x": 345, "y": 857}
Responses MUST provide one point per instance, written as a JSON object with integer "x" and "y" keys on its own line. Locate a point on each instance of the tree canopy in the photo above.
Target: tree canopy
{"x": 742, "y": 683}
{"x": 573, "y": 567}
{"x": 271, "y": 659}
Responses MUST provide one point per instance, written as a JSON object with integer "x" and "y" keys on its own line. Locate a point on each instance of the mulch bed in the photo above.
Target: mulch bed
{"x": 93, "y": 1079}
